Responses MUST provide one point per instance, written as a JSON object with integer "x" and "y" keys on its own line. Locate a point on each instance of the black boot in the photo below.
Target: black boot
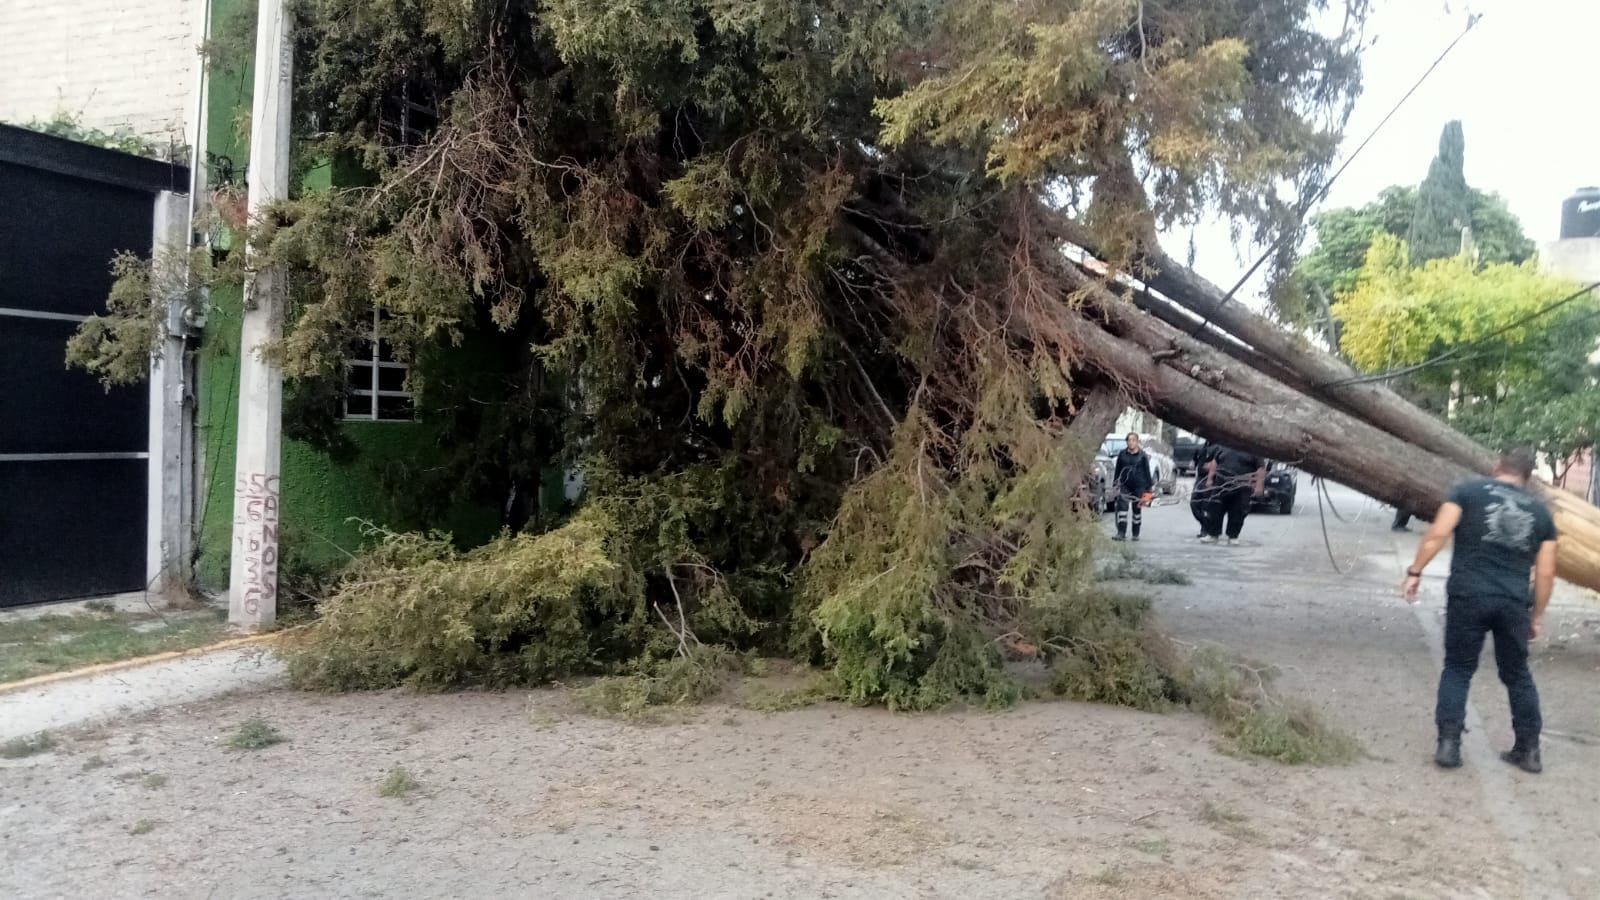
{"x": 1448, "y": 754}
{"x": 1525, "y": 756}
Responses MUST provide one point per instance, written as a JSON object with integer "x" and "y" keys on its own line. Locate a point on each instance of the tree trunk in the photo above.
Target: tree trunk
{"x": 1096, "y": 414}
{"x": 1203, "y": 390}
{"x": 1321, "y": 373}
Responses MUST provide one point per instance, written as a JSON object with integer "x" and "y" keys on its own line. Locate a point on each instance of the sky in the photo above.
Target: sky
{"x": 1525, "y": 85}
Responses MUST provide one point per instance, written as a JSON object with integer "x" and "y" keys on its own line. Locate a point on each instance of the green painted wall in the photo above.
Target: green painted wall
{"x": 319, "y": 497}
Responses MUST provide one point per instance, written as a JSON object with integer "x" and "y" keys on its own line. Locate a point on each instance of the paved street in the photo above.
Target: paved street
{"x": 521, "y": 795}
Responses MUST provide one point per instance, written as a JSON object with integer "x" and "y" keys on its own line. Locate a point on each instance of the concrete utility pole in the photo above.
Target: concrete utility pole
{"x": 253, "y": 577}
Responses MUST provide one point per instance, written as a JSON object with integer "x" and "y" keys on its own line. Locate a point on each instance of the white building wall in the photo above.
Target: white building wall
{"x": 1574, "y": 258}
{"x": 113, "y": 64}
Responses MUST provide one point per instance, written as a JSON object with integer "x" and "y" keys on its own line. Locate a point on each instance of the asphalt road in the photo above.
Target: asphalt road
{"x": 1316, "y": 593}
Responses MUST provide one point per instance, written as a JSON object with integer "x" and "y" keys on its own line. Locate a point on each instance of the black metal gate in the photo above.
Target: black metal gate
{"x": 73, "y": 456}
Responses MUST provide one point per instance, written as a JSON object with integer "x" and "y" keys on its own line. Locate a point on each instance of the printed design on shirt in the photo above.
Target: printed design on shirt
{"x": 1509, "y": 520}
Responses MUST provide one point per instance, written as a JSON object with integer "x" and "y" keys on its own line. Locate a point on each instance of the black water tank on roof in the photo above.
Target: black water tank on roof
{"x": 1580, "y": 214}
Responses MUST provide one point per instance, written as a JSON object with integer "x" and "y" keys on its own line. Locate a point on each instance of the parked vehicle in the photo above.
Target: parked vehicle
{"x": 1186, "y": 455}
{"x": 1281, "y": 486}
{"x": 1165, "y": 471}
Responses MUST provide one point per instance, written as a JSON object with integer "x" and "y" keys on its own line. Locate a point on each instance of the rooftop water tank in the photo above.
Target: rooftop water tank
{"x": 1580, "y": 214}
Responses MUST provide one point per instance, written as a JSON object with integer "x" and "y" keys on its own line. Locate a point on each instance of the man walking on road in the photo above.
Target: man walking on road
{"x": 1234, "y": 477}
{"x": 1132, "y": 479}
{"x": 1502, "y": 530}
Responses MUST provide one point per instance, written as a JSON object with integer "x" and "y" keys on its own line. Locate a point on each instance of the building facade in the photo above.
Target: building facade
{"x": 132, "y": 65}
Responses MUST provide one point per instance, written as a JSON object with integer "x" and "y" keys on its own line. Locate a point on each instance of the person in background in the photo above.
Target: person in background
{"x": 1502, "y": 532}
{"x": 1402, "y": 519}
{"x": 1203, "y": 500}
{"x": 1236, "y": 476}
{"x": 1133, "y": 480}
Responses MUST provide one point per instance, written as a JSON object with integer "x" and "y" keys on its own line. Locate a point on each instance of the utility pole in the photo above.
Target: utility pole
{"x": 253, "y": 576}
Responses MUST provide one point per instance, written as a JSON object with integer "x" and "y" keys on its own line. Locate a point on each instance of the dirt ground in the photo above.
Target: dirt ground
{"x": 521, "y": 796}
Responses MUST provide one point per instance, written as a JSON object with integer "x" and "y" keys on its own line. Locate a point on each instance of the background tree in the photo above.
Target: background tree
{"x": 1343, "y": 235}
{"x": 1518, "y": 383}
{"x": 1444, "y": 202}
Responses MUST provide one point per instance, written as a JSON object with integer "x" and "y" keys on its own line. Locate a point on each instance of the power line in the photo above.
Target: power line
{"x": 1314, "y": 197}
{"x": 1454, "y": 354}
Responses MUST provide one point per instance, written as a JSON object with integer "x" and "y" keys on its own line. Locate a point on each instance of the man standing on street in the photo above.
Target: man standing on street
{"x": 1132, "y": 480}
{"x": 1502, "y": 531}
{"x": 1235, "y": 477}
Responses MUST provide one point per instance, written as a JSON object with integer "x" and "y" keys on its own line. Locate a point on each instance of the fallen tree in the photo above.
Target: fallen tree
{"x": 790, "y": 280}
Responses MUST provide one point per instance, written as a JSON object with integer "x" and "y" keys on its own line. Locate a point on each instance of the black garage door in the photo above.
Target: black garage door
{"x": 73, "y": 460}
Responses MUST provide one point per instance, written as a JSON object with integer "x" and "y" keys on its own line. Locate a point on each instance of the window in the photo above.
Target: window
{"x": 376, "y": 383}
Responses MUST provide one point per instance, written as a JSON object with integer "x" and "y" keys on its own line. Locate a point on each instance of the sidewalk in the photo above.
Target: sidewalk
{"x": 74, "y": 701}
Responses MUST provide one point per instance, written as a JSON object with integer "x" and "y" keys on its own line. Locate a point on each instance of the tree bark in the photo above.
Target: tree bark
{"x": 1324, "y": 376}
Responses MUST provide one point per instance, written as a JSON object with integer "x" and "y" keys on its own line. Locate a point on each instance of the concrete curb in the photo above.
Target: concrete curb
{"x": 138, "y": 661}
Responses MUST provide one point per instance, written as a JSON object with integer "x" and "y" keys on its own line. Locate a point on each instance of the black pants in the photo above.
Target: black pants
{"x": 1202, "y": 505}
{"x": 1402, "y": 518}
{"x": 1129, "y": 507}
{"x": 1466, "y": 621}
{"x": 1231, "y": 505}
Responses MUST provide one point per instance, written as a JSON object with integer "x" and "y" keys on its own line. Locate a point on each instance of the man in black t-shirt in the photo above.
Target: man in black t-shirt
{"x": 1231, "y": 477}
{"x": 1502, "y": 532}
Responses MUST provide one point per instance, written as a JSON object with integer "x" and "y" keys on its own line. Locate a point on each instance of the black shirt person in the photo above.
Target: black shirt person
{"x": 1132, "y": 480}
{"x": 1203, "y": 501}
{"x": 1502, "y": 531}
{"x": 1232, "y": 477}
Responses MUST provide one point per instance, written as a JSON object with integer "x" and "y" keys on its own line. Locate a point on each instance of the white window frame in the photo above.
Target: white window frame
{"x": 372, "y": 390}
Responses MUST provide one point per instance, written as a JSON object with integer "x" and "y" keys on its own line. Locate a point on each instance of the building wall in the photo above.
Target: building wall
{"x": 323, "y": 503}
{"x": 1574, "y": 258}
{"x": 129, "y": 64}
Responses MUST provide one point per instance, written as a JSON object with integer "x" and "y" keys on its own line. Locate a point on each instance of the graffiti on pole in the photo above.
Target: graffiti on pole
{"x": 256, "y": 539}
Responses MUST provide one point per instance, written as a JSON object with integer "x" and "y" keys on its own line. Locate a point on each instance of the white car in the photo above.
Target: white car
{"x": 1165, "y": 469}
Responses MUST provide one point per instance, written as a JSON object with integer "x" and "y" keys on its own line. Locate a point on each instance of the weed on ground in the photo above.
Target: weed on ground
{"x": 32, "y": 745}
{"x": 398, "y": 783}
{"x": 255, "y": 734}
{"x": 143, "y": 826}
{"x": 677, "y": 682}
{"x": 1254, "y": 720}
{"x": 1130, "y": 566}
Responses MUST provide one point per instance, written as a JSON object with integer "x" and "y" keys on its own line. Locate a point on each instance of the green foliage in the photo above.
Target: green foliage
{"x": 1428, "y": 218}
{"x": 684, "y": 680}
{"x": 1103, "y": 650}
{"x": 523, "y": 609}
{"x": 784, "y": 277}
{"x": 1129, "y": 566}
{"x": 1531, "y": 384}
{"x": 1444, "y": 202}
{"x": 117, "y": 347}
{"x": 71, "y": 127}
{"x": 820, "y": 688}
{"x": 142, "y": 827}
{"x": 1257, "y": 722}
{"x": 255, "y": 734}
